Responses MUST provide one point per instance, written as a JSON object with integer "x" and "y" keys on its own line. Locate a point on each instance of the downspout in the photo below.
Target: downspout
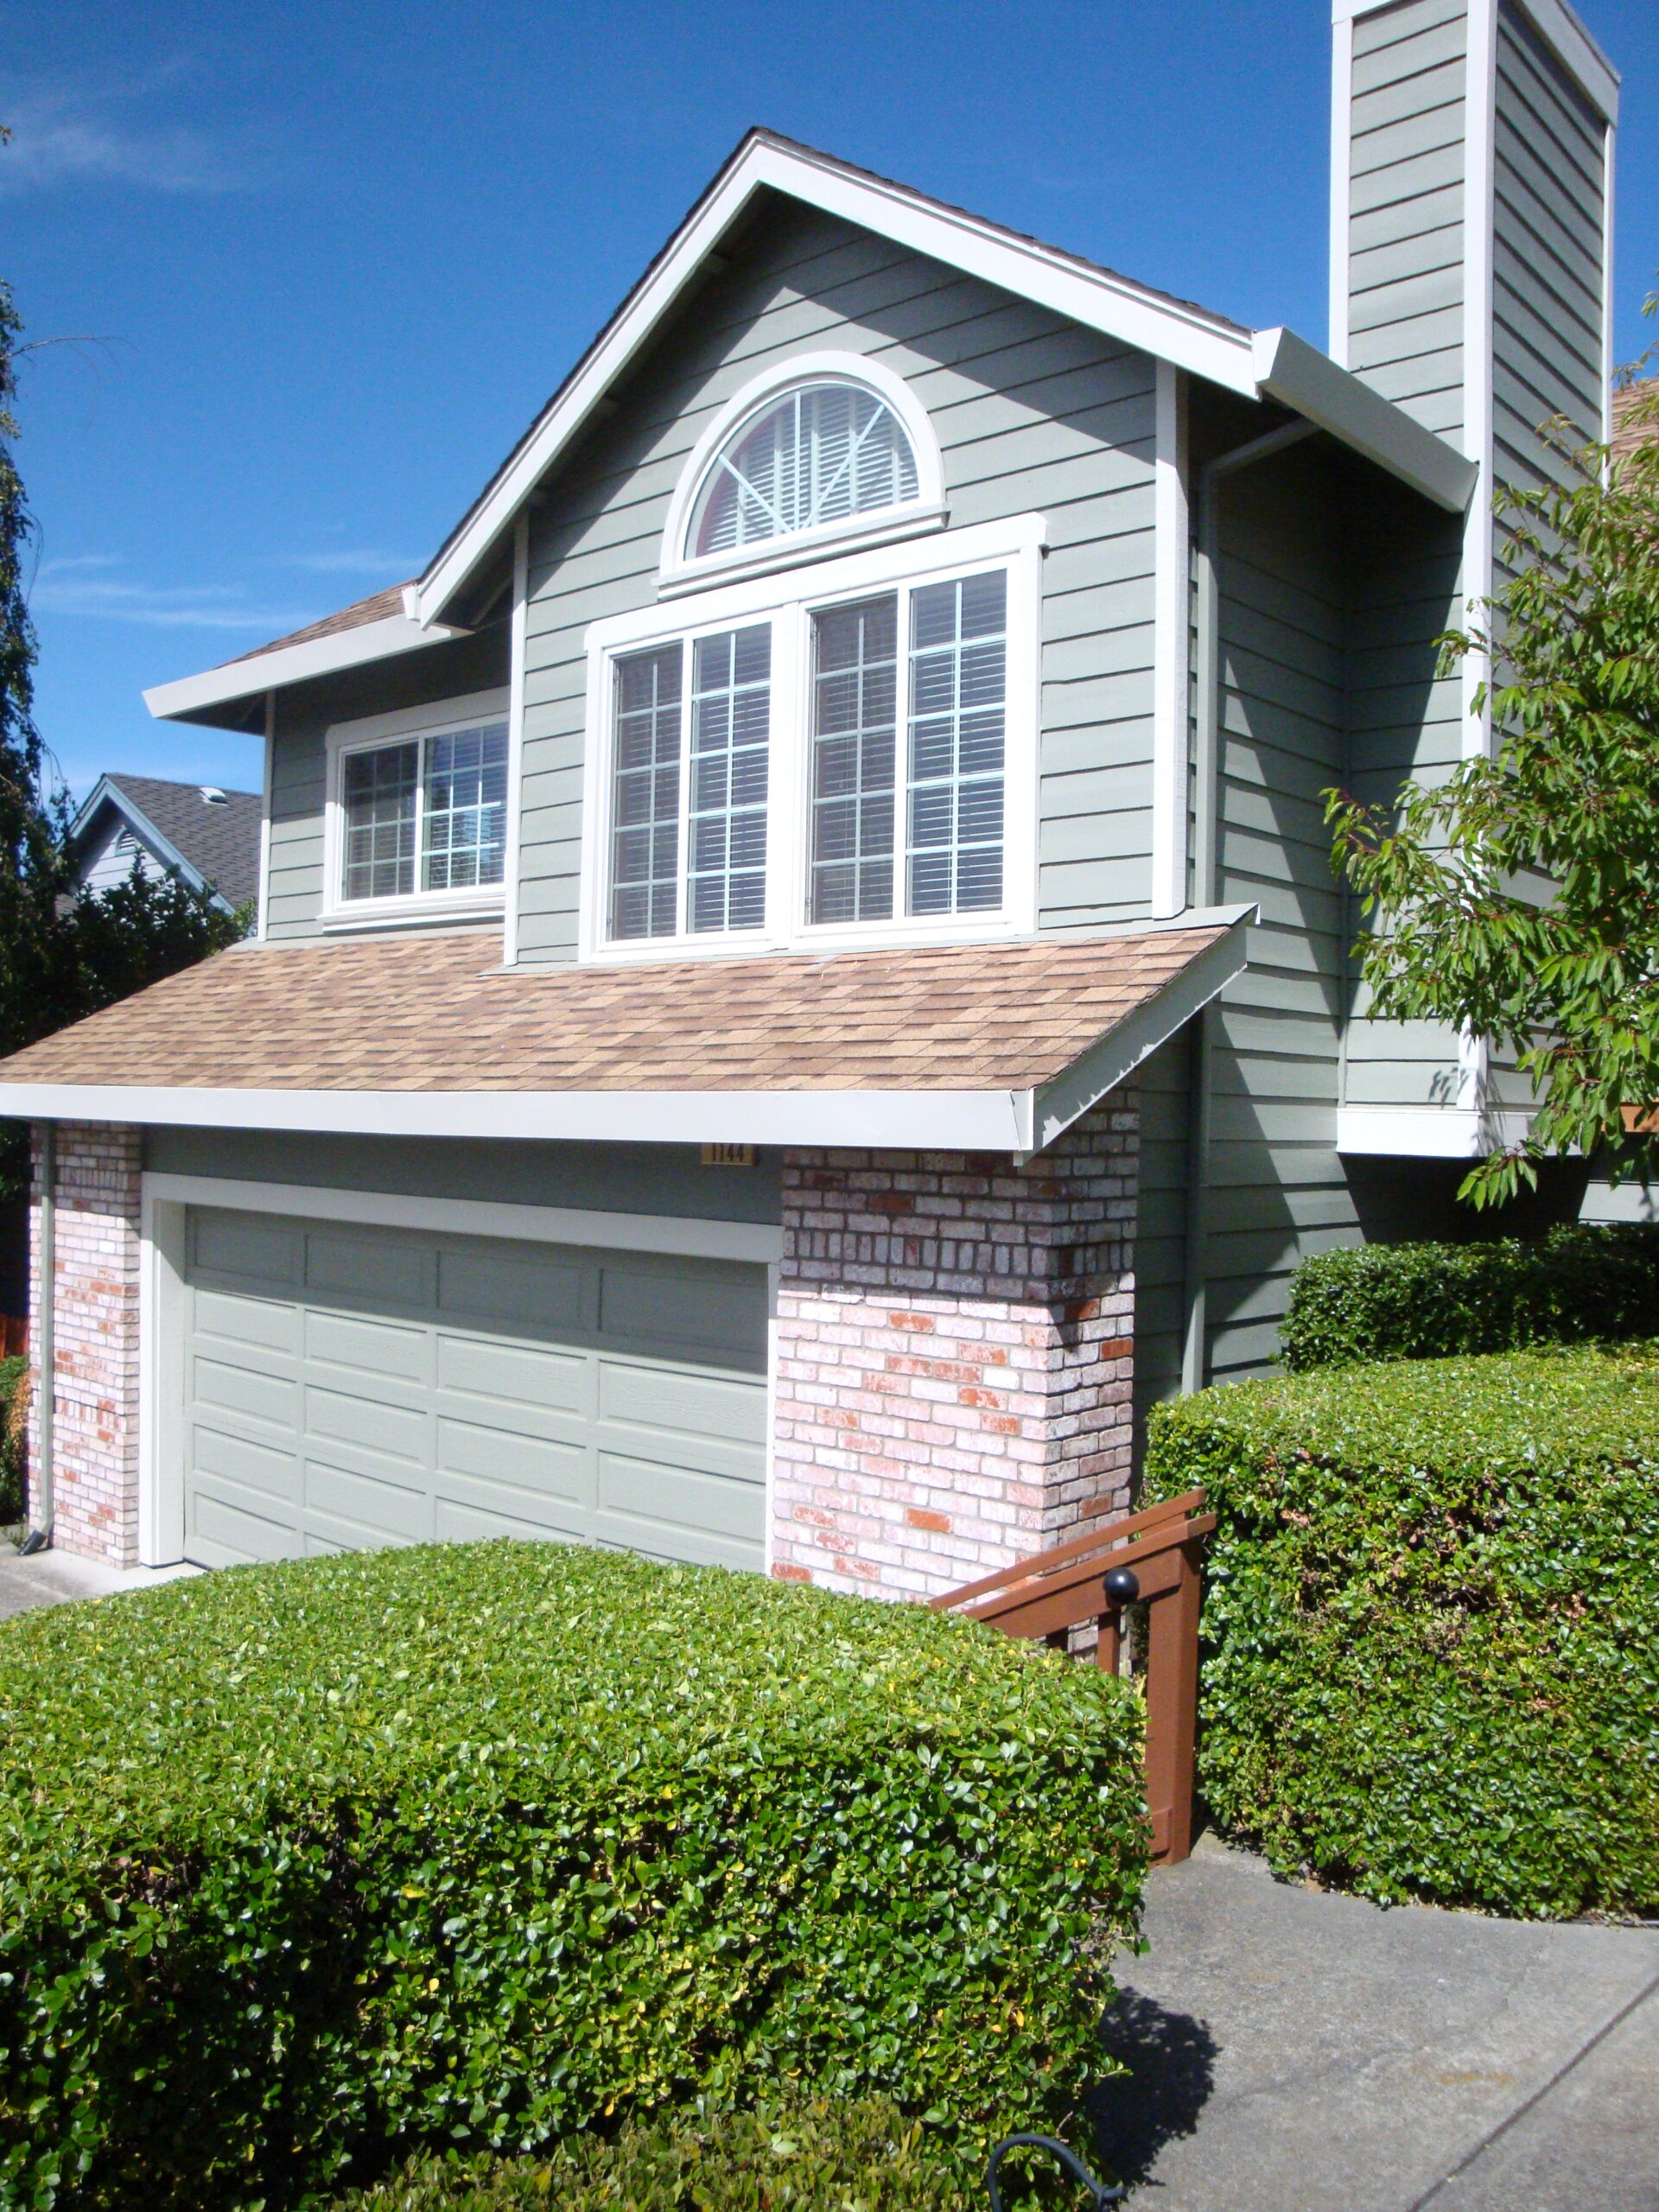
{"x": 40, "y": 1534}
{"x": 1206, "y": 780}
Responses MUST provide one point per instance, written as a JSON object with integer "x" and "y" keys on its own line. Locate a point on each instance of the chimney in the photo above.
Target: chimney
{"x": 1471, "y": 226}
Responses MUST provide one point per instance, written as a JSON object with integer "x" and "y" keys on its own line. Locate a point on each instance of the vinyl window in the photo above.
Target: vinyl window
{"x": 425, "y": 815}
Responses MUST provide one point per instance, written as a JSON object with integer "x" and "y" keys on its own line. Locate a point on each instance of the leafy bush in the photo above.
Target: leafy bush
{"x": 1430, "y": 1660}
{"x": 1431, "y": 1301}
{"x": 14, "y": 1410}
{"x": 796, "y": 2155}
{"x": 300, "y": 1865}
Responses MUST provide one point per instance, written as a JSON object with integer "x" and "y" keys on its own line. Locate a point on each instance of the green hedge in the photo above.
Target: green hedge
{"x": 1431, "y": 1301}
{"x": 480, "y": 1846}
{"x": 799, "y": 2155}
{"x": 1431, "y": 1623}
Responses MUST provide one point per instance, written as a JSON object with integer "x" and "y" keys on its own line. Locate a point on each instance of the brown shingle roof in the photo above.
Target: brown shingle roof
{"x": 1627, "y": 435}
{"x": 434, "y": 1014}
{"x": 375, "y": 608}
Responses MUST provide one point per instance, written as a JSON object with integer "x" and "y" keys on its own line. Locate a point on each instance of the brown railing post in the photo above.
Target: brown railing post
{"x": 1045, "y": 1597}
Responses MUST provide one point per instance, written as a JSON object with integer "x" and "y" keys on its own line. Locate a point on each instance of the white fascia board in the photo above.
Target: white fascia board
{"x": 1427, "y": 1132}
{"x": 245, "y": 679}
{"x": 1187, "y": 336}
{"x": 965, "y": 1121}
{"x": 1300, "y": 377}
{"x": 1562, "y": 28}
{"x": 1059, "y": 1102}
{"x": 615, "y": 1233}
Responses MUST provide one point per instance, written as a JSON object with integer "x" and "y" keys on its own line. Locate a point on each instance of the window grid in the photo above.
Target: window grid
{"x": 820, "y": 454}
{"x": 854, "y": 732}
{"x": 731, "y": 732}
{"x": 442, "y": 799}
{"x": 646, "y": 795}
{"x": 958, "y": 694}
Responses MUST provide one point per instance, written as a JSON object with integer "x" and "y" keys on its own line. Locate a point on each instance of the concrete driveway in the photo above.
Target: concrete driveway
{"x": 1298, "y": 2052}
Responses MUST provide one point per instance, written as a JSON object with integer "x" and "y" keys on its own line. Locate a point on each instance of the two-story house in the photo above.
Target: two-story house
{"x": 798, "y": 974}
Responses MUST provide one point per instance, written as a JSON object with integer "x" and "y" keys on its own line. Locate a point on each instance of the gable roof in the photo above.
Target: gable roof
{"x": 1272, "y": 364}
{"x": 209, "y": 841}
{"x": 999, "y": 1046}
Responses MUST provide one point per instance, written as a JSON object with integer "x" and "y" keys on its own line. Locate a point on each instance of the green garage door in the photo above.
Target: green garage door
{"x": 349, "y": 1387}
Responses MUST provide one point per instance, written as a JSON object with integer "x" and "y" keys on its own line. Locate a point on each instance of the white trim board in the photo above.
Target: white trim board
{"x": 285, "y": 664}
{"x": 691, "y": 1234}
{"x": 1172, "y": 705}
{"x": 1427, "y": 1132}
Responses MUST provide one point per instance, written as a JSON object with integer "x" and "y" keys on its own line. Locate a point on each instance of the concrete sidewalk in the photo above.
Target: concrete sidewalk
{"x": 54, "y": 1578}
{"x": 1294, "y": 2051}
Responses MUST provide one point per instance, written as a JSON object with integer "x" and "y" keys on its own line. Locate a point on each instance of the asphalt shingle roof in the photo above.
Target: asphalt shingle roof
{"x": 436, "y": 1014}
{"x": 221, "y": 839}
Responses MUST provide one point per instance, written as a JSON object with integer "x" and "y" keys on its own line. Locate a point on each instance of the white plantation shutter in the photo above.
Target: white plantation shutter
{"x": 821, "y": 452}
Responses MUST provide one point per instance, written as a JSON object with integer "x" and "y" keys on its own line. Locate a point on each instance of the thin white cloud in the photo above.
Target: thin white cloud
{"x": 67, "y": 588}
{"x": 363, "y": 563}
{"x": 61, "y": 136}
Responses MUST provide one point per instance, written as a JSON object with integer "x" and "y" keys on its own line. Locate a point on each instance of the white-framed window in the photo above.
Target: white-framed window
{"x": 844, "y": 754}
{"x": 819, "y": 451}
{"x": 417, "y": 821}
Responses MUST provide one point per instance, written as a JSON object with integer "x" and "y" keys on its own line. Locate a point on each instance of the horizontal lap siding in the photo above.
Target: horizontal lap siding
{"x": 1405, "y": 264}
{"x": 1548, "y": 275}
{"x": 1277, "y": 1191}
{"x": 1405, "y": 720}
{"x": 298, "y": 793}
{"x": 1032, "y": 413}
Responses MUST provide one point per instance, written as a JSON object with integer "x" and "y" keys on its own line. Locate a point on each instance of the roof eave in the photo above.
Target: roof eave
{"x": 1300, "y": 377}
{"x": 239, "y": 681}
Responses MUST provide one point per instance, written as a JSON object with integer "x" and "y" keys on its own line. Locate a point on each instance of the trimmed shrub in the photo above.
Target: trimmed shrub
{"x": 14, "y": 1415}
{"x": 796, "y": 2156}
{"x": 1430, "y": 1301}
{"x": 302, "y": 1865}
{"x": 1430, "y": 1662}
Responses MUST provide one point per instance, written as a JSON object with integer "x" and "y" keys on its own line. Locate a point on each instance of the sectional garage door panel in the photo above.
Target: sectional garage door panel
{"x": 351, "y": 1387}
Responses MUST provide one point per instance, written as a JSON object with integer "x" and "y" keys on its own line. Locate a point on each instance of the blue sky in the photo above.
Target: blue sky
{"x": 329, "y": 258}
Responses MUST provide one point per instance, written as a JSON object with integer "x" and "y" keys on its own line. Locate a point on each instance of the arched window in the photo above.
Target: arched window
{"x": 818, "y": 453}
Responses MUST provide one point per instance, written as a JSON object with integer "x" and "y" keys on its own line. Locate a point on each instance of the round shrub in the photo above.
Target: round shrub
{"x": 799, "y": 2155}
{"x": 304, "y": 1865}
{"x": 1430, "y": 1646}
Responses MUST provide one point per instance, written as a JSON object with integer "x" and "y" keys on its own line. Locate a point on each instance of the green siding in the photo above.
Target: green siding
{"x": 1405, "y": 270}
{"x": 1032, "y": 413}
{"x": 643, "y": 1179}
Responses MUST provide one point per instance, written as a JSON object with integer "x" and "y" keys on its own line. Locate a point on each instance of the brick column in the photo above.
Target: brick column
{"x": 95, "y": 1425}
{"x": 955, "y": 1355}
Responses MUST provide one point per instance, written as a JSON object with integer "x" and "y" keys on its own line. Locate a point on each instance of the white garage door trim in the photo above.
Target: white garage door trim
{"x": 162, "y": 1294}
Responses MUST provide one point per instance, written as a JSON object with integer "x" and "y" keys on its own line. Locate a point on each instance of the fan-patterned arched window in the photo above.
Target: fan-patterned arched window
{"x": 823, "y": 452}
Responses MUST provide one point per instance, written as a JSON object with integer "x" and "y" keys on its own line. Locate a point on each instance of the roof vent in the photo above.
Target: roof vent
{"x": 212, "y": 794}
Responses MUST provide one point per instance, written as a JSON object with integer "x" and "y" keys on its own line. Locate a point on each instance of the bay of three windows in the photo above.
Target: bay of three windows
{"x": 905, "y": 766}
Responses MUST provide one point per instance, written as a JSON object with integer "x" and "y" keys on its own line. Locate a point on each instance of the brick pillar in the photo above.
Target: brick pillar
{"x": 955, "y": 1355}
{"x": 95, "y": 1427}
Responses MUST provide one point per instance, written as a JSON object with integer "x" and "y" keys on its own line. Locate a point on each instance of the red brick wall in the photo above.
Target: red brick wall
{"x": 95, "y": 1452}
{"x": 955, "y": 1355}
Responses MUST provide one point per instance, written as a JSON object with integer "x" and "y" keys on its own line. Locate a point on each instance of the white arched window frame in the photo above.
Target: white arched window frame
{"x": 682, "y": 570}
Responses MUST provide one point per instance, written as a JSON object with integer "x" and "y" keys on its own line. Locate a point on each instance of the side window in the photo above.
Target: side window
{"x": 731, "y": 734}
{"x": 957, "y": 699}
{"x": 428, "y": 814}
{"x": 646, "y": 798}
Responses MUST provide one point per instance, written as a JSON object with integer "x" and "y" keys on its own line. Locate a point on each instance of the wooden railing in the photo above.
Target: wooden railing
{"x": 1087, "y": 1581}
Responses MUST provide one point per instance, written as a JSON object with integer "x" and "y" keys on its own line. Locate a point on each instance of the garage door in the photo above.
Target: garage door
{"x": 347, "y": 1387}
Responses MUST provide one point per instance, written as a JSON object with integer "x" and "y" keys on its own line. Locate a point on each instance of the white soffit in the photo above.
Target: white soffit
{"x": 270, "y": 671}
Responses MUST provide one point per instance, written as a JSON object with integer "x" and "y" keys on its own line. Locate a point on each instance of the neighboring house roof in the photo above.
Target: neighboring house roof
{"x": 209, "y": 836}
{"x": 1627, "y": 435}
{"x": 986, "y": 1046}
{"x": 1272, "y": 364}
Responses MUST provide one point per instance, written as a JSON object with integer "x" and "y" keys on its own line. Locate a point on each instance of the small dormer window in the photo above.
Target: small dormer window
{"x": 820, "y": 454}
